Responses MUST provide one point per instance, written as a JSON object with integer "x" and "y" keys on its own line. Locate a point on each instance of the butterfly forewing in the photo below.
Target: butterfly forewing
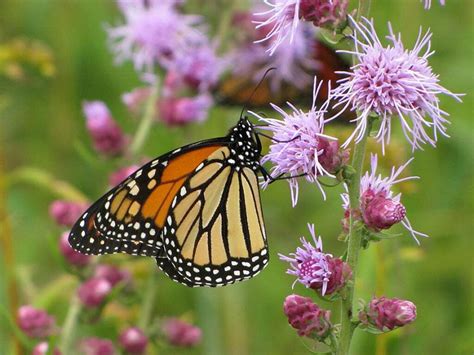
{"x": 131, "y": 216}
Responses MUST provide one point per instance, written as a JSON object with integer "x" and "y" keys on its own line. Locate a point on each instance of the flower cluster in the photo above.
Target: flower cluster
{"x": 379, "y": 207}
{"x": 36, "y": 323}
{"x": 281, "y": 21}
{"x": 300, "y": 147}
{"x": 315, "y": 269}
{"x": 181, "y": 333}
{"x": 393, "y": 81}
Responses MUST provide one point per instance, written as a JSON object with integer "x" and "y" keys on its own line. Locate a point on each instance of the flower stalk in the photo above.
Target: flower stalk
{"x": 146, "y": 122}
{"x": 354, "y": 243}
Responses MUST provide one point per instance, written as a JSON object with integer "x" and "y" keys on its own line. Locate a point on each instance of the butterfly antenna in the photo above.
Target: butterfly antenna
{"x": 255, "y": 90}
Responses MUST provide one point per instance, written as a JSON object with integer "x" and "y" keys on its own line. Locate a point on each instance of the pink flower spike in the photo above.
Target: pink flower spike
{"x": 300, "y": 146}
{"x": 93, "y": 291}
{"x": 180, "y": 333}
{"x": 133, "y": 341}
{"x": 36, "y": 323}
{"x": 386, "y": 314}
{"x": 42, "y": 349}
{"x": 70, "y": 255}
{"x": 183, "y": 110}
{"x": 97, "y": 346}
{"x": 391, "y": 82}
{"x": 66, "y": 213}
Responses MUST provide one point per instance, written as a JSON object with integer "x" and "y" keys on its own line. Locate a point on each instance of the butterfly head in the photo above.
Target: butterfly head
{"x": 244, "y": 143}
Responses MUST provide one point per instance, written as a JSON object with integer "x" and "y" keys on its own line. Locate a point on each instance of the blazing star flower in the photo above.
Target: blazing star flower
{"x": 428, "y": 3}
{"x": 324, "y": 13}
{"x": 183, "y": 110}
{"x": 135, "y": 99}
{"x": 386, "y": 314}
{"x": 379, "y": 207}
{"x": 280, "y": 23}
{"x": 199, "y": 66}
{"x": 106, "y": 134}
{"x": 154, "y": 33}
{"x": 70, "y": 255}
{"x": 36, "y": 323}
{"x": 112, "y": 274}
{"x": 309, "y": 264}
{"x": 294, "y": 61}
{"x": 97, "y": 346}
{"x": 66, "y": 213}
{"x": 300, "y": 146}
{"x": 393, "y": 81}
{"x": 306, "y": 317}
{"x": 43, "y": 349}
{"x": 93, "y": 291}
{"x": 180, "y": 333}
{"x": 133, "y": 340}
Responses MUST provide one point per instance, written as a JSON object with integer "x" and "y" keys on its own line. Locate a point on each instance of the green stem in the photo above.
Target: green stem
{"x": 355, "y": 238}
{"x": 70, "y": 325}
{"x": 149, "y": 301}
{"x": 147, "y": 120}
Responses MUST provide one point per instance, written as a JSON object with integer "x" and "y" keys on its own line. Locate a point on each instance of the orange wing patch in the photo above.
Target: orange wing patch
{"x": 174, "y": 175}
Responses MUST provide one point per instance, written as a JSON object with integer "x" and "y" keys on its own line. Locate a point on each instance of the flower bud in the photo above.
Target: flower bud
{"x": 107, "y": 136}
{"x": 179, "y": 111}
{"x": 35, "y": 323}
{"x": 136, "y": 98}
{"x": 324, "y": 13}
{"x": 97, "y": 346}
{"x": 112, "y": 274}
{"x": 180, "y": 333}
{"x": 380, "y": 211}
{"x": 133, "y": 341}
{"x": 388, "y": 313}
{"x": 72, "y": 257}
{"x": 66, "y": 213}
{"x": 340, "y": 273}
{"x": 121, "y": 174}
{"x": 332, "y": 158}
{"x": 306, "y": 317}
{"x": 93, "y": 292}
{"x": 42, "y": 349}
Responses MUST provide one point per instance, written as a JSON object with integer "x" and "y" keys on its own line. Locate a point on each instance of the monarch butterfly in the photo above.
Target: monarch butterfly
{"x": 196, "y": 209}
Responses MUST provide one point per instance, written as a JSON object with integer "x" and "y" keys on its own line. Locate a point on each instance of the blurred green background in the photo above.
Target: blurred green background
{"x": 42, "y": 127}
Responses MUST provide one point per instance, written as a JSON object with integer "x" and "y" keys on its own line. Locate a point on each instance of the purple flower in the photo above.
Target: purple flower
{"x": 307, "y": 318}
{"x": 154, "y": 33}
{"x": 379, "y": 207}
{"x": 183, "y": 110}
{"x": 294, "y": 61}
{"x": 324, "y": 13}
{"x": 107, "y": 136}
{"x": 300, "y": 146}
{"x": 112, "y": 274}
{"x": 42, "y": 349}
{"x": 97, "y": 346}
{"x": 280, "y": 22}
{"x": 199, "y": 67}
{"x": 34, "y": 322}
{"x": 388, "y": 313}
{"x": 133, "y": 341}
{"x": 66, "y": 213}
{"x": 393, "y": 81}
{"x": 121, "y": 174}
{"x": 93, "y": 292}
{"x": 180, "y": 333}
{"x": 428, "y": 3}
{"x": 309, "y": 264}
{"x": 73, "y": 257}
{"x": 136, "y": 98}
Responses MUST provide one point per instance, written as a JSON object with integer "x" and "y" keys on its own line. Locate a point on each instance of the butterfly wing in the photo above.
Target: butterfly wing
{"x": 214, "y": 234}
{"x": 130, "y": 217}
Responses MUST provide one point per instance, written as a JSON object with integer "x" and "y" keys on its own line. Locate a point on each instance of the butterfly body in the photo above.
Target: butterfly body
{"x": 196, "y": 210}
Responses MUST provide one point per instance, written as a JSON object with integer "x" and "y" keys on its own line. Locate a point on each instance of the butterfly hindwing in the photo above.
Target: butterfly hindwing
{"x": 214, "y": 234}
